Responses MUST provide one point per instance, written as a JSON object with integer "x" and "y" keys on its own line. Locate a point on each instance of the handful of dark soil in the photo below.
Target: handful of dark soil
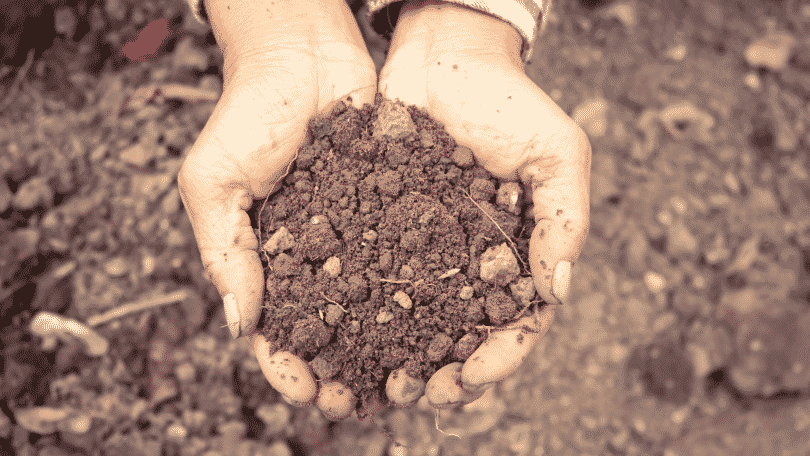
{"x": 387, "y": 247}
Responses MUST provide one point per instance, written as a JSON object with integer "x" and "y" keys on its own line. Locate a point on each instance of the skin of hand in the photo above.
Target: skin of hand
{"x": 463, "y": 68}
{"x": 285, "y": 61}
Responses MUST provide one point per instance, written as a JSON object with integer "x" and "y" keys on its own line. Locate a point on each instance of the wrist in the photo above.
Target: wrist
{"x": 452, "y": 28}
{"x": 247, "y": 30}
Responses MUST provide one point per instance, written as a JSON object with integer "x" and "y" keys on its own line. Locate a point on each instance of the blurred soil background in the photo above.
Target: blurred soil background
{"x": 689, "y": 330}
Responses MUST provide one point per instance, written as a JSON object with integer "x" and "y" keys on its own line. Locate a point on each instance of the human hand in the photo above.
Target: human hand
{"x": 463, "y": 68}
{"x": 284, "y": 62}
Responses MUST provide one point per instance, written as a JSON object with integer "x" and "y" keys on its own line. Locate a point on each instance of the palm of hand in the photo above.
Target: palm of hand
{"x": 242, "y": 153}
{"x": 487, "y": 103}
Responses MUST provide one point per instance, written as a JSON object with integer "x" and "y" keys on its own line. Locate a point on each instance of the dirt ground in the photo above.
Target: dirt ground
{"x": 689, "y": 324}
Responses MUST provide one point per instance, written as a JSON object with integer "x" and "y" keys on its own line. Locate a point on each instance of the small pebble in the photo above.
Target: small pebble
{"x": 138, "y": 155}
{"x": 65, "y": 22}
{"x": 655, "y": 282}
{"x": 393, "y": 120}
{"x": 753, "y": 82}
{"x": 771, "y": 51}
{"x": 591, "y": 116}
{"x": 280, "y": 240}
{"x": 384, "y": 316}
{"x": 32, "y": 193}
{"x": 117, "y": 267}
{"x": 40, "y": 420}
{"x": 275, "y": 417}
{"x": 332, "y": 266}
{"x": 499, "y": 265}
{"x": 523, "y": 290}
{"x": 466, "y": 292}
{"x": 185, "y": 372}
{"x": 624, "y": 12}
{"x": 731, "y": 182}
{"x": 177, "y": 433}
{"x": 278, "y": 448}
{"x": 509, "y": 197}
{"x": 79, "y": 424}
{"x": 402, "y": 298}
{"x": 370, "y": 235}
{"x": 676, "y": 53}
{"x": 189, "y": 56}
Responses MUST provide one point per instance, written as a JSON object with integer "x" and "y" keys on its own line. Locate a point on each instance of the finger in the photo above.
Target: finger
{"x": 402, "y": 389}
{"x": 444, "y": 389}
{"x": 287, "y": 373}
{"x": 228, "y": 248}
{"x": 226, "y": 169}
{"x": 560, "y": 192}
{"x": 336, "y": 400}
{"x": 505, "y": 350}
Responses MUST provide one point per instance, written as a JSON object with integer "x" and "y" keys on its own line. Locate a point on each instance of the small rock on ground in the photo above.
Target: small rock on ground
{"x": 499, "y": 265}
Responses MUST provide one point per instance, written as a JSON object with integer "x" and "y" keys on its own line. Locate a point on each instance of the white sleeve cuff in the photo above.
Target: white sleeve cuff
{"x": 526, "y": 16}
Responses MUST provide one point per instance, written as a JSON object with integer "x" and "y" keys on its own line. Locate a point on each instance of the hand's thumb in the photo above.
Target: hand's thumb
{"x": 560, "y": 194}
{"x": 228, "y": 246}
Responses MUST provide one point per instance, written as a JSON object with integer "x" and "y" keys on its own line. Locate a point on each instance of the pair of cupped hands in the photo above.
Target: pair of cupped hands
{"x": 285, "y": 62}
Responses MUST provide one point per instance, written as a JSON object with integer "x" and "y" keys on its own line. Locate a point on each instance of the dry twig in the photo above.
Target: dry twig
{"x": 437, "y": 427}
{"x": 508, "y": 239}
{"x": 138, "y": 306}
{"x": 334, "y": 302}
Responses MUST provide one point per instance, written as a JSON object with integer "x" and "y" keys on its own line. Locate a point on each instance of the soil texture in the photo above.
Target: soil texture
{"x": 376, "y": 245}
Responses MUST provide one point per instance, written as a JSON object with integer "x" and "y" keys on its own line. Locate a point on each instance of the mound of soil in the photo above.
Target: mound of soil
{"x": 375, "y": 247}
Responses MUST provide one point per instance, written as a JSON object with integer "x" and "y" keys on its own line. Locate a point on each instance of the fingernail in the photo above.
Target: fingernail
{"x": 561, "y": 283}
{"x": 232, "y": 314}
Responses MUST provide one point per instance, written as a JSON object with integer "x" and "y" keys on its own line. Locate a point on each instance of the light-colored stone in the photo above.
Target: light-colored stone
{"x": 523, "y": 290}
{"x": 275, "y": 417}
{"x": 699, "y": 122}
{"x": 591, "y": 116}
{"x": 177, "y": 433}
{"x": 655, "y": 282}
{"x": 402, "y": 298}
{"x": 332, "y": 266}
{"x": 682, "y": 243}
{"x": 498, "y": 265}
{"x": 746, "y": 254}
{"x": 370, "y": 236}
{"x": 510, "y": 197}
{"x": 41, "y": 420}
{"x": 281, "y": 240}
{"x": 676, "y": 53}
{"x": 393, "y": 120}
{"x": 384, "y": 316}
{"x": 138, "y": 155}
{"x": 771, "y": 51}
{"x": 187, "y": 56}
{"x": 116, "y": 267}
{"x": 466, "y": 292}
{"x": 624, "y": 12}
{"x": 65, "y": 22}
{"x": 34, "y": 192}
